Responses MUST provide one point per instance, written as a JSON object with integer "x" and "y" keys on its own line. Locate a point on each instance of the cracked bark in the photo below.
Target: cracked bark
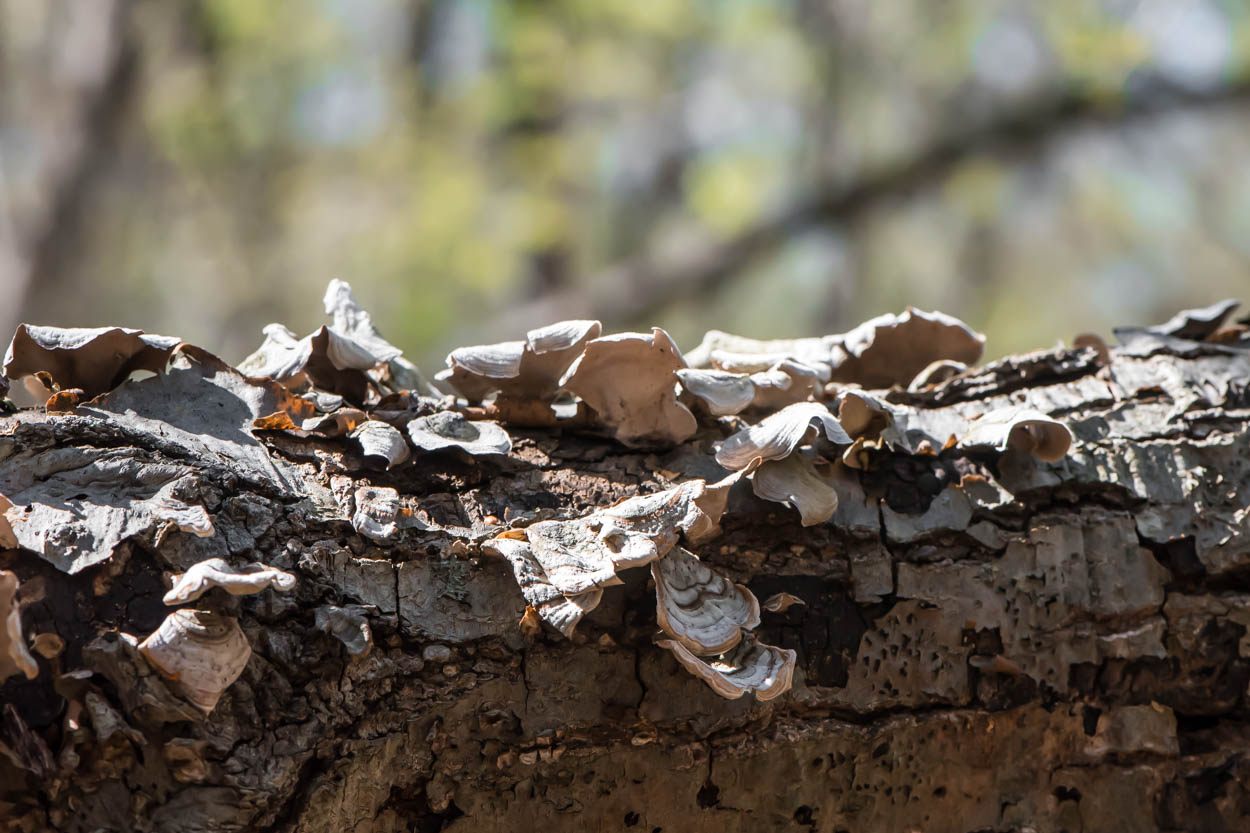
{"x": 987, "y": 642}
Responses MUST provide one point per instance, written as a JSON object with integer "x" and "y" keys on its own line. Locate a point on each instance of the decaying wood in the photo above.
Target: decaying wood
{"x": 985, "y": 640}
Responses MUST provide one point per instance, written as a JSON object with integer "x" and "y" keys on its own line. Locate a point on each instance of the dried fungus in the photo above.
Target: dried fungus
{"x": 629, "y": 380}
{"x": 201, "y": 652}
{"x": 242, "y": 580}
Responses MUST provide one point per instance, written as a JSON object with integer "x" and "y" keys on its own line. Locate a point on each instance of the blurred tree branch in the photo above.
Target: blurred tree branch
{"x": 35, "y": 245}
{"x": 633, "y": 292}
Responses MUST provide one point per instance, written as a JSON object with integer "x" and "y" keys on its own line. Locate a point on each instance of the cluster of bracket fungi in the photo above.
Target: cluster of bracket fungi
{"x": 791, "y": 414}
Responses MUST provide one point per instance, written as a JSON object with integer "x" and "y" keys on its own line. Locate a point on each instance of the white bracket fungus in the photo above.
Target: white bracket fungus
{"x": 448, "y": 429}
{"x": 750, "y": 666}
{"x": 521, "y": 371}
{"x": 776, "y": 435}
{"x": 700, "y": 608}
{"x": 1020, "y": 429}
{"x": 795, "y": 481}
{"x": 95, "y": 360}
{"x": 201, "y": 652}
{"x": 237, "y": 581}
{"x": 380, "y": 443}
{"x": 347, "y": 357}
{"x": 629, "y": 380}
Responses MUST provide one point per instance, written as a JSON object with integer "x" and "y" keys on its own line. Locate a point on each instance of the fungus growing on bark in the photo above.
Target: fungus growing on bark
{"x": 237, "y": 581}
{"x": 448, "y": 429}
{"x": 1020, "y": 429}
{"x": 780, "y": 474}
{"x": 381, "y": 444}
{"x": 201, "y": 652}
{"x": 348, "y": 357}
{"x": 698, "y": 607}
{"x": 94, "y": 360}
{"x": 749, "y": 666}
{"x": 629, "y": 380}
{"x": 376, "y": 514}
{"x": 724, "y": 392}
{"x": 721, "y": 392}
{"x": 521, "y": 371}
{"x": 781, "y": 602}
{"x": 891, "y": 349}
{"x": 883, "y": 351}
{"x": 795, "y": 481}
{"x": 350, "y": 319}
{"x": 14, "y": 656}
{"x": 935, "y": 373}
{"x": 561, "y": 566}
{"x": 775, "y": 436}
{"x": 561, "y": 611}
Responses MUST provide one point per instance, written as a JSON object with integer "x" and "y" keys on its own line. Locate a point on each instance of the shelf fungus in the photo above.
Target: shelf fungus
{"x": 237, "y": 581}
{"x": 883, "y": 351}
{"x": 14, "y": 655}
{"x": 797, "y": 482}
{"x": 776, "y": 435}
{"x": 701, "y": 609}
{"x": 519, "y": 371}
{"x": 779, "y": 383}
{"x": 349, "y": 318}
{"x": 347, "y": 357}
{"x": 93, "y": 360}
{"x": 201, "y": 652}
{"x": 448, "y": 429}
{"x": 562, "y": 566}
{"x": 376, "y": 513}
{"x": 749, "y": 666}
{"x": 1020, "y": 429}
{"x": 557, "y": 609}
{"x": 892, "y": 349}
{"x": 380, "y": 444}
{"x": 780, "y": 470}
{"x": 629, "y": 380}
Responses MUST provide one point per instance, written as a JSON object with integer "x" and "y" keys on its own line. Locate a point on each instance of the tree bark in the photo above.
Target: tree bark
{"x": 987, "y": 642}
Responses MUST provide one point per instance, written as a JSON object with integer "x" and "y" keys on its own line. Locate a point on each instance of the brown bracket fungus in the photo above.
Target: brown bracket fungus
{"x": 237, "y": 581}
{"x": 93, "y": 360}
{"x": 629, "y": 380}
{"x": 14, "y": 656}
{"x": 698, "y": 607}
{"x": 203, "y": 653}
{"x": 750, "y": 666}
{"x": 521, "y": 371}
{"x": 448, "y": 429}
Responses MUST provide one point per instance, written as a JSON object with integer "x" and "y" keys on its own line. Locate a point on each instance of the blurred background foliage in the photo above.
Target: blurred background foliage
{"x": 478, "y": 167}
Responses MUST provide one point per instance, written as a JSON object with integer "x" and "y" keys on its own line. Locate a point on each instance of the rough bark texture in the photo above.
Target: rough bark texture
{"x": 987, "y": 642}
